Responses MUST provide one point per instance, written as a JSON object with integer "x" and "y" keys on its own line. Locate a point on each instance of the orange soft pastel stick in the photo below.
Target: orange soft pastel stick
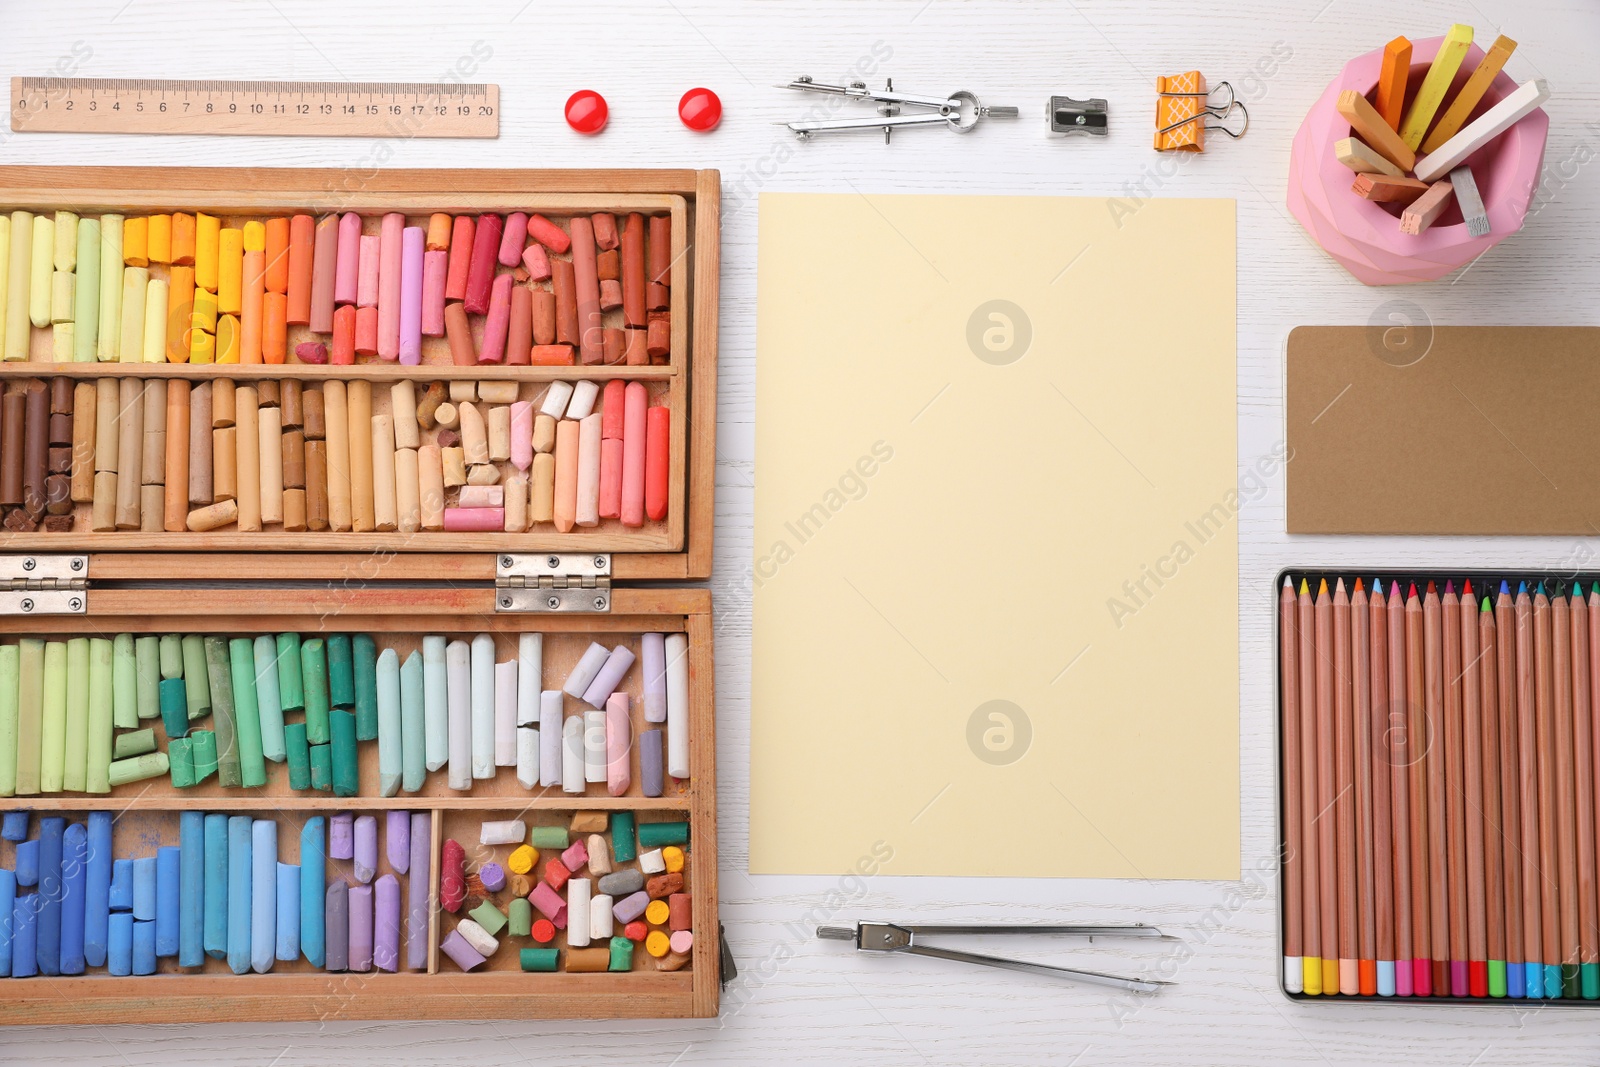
{"x": 274, "y": 327}
{"x": 277, "y": 248}
{"x": 1392, "y": 81}
{"x": 302, "y": 236}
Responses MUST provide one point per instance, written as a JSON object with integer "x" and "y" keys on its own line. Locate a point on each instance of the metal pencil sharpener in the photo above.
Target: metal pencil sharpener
{"x": 1067, "y": 115}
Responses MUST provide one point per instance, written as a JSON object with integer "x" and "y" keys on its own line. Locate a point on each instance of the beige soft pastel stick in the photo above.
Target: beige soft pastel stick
{"x": 294, "y": 510}
{"x": 474, "y": 435}
{"x": 152, "y": 508}
{"x": 247, "y": 452}
{"x": 385, "y": 512}
{"x": 269, "y": 433}
{"x": 153, "y": 465}
{"x": 224, "y": 464}
{"x": 130, "y": 451}
{"x": 541, "y": 507}
{"x": 499, "y": 421}
{"x": 107, "y": 433}
{"x": 200, "y": 445}
{"x": 358, "y": 411}
{"x": 430, "y": 487}
{"x": 566, "y": 503}
{"x": 103, "y": 510}
{"x": 407, "y": 491}
{"x": 455, "y": 467}
{"x": 222, "y": 402}
{"x": 403, "y": 409}
{"x": 588, "y": 493}
{"x": 214, "y": 516}
{"x": 175, "y": 497}
{"x": 516, "y": 502}
{"x": 85, "y": 417}
{"x": 336, "y": 427}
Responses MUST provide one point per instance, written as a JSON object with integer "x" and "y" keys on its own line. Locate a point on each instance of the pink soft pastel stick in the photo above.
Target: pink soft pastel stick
{"x": 435, "y": 266}
{"x": 588, "y": 513}
{"x": 536, "y": 262}
{"x": 611, "y": 478}
{"x": 468, "y": 520}
{"x": 514, "y": 237}
{"x": 633, "y": 432}
{"x": 480, "y": 269}
{"x": 522, "y": 434}
{"x": 367, "y": 331}
{"x": 389, "y": 285}
{"x": 347, "y": 273}
{"x": 497, "y": 322}
{"x": 411, "y": 295}
{"x": 367, "y": 271}
{"x": 619, "y": 734}
{"x": 547, "y": 900}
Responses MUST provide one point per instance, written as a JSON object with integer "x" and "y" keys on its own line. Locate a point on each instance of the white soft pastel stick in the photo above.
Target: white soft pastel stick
{"x": 619, "y": 738}
{"x": 458, "y": 678}
{"x": 609, "y": 677}
{"x": 527, "y": 756}
{"x": 389, "y": 742}
{"x": 581, "y": 406}
{"x": 550, "y": 737}
{"x": 678, "y": 705}
{"x": 435, "y": 704}
{"x": 480, "y": 939}
{"x": 600, "y": 925}
{"x": 483, "y": 706}
{"x": 594, "y": 746}
{"x": 555, "y": 399}
{"x": 578, "y": 913}
{"x": 503, "y": 832}
{"x": 583, "y": 674}
{"x": 653, "y": 662}
{"x": 530, "y": 671}
{"x": 572, "y": 754}
{"x": 1483, "y": 129}
{"x": 505, "y": 714}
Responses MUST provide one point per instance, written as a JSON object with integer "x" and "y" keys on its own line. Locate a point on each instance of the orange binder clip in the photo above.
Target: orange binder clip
{"x": 1182, "y": 107}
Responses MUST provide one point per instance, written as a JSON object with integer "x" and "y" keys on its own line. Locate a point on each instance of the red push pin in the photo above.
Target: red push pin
{"x": 700, "y": 110}
{"x": 587, "y": 111}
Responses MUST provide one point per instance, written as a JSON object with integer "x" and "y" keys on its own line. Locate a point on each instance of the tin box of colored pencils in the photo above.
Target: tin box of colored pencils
{"x": 1437, "y": 802}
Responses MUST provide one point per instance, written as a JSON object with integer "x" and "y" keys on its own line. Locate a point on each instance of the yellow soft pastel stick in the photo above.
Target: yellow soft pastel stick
{"x": 19, "y": 271}
{"x": 134, "y": 234}
{"x": 202, "y": 347}
{"x": 1472, "y": 93}
{"x": 42, "y": 266}
{"x": 63, "y": 291}
{"x": 230, "y": 271}
{"x": 207, "y": 232}
{"x": 255, "y": 237}
{"x": 62, "y": 344}
{"x": 66, "y": 256}
{"x": 155, "y": 321}
{"x": 158, "y": 239}
{"x": 228, "y": 339}
{"x": 203, "y": 313}
{"x": 135, "y": 280}
{"x": 109, "y": 338}
{"x": 1452, "y": 50}
{"x": 5, "y": 271}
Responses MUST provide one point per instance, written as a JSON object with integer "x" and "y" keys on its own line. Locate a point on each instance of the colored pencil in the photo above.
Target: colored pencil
{"x": 1382, "y": 830}
{"x": 1327, "y": 821}
{"x": 1289, "y": 663}
{"x": 1361, "y": 691}
{"x": 1454, "y": 797}
{"x": 1495, "y": 888}
{"x": 1417, "y": 741}
{"x": 1583, "y": 795}
{"x": 1549, "y": 863}
{"x": 1472, "y": 807}
{"x": 1310, "y": 882}
{"x": 1436, "y": 756}
{"x": 1344, "y": 801}
{"x": 1505, "y": 625}
{"x": 1590, "y": 976}
{"x": 1528, "y": 789}
{"x": 1564, "y": 796}
{"x": 1399, "y": 760}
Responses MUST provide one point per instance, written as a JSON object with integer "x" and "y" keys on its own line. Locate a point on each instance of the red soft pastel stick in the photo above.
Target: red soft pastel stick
{"x": 455, "y": 281}
{"x": 480, "y": 271}
{"x": 657, "y": 453}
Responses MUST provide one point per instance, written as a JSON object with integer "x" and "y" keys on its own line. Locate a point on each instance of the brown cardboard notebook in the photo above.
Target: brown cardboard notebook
{"x": 1448, "y": 430}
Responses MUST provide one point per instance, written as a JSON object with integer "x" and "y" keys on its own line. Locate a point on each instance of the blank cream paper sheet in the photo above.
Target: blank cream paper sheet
{"x": 995, "y": 573}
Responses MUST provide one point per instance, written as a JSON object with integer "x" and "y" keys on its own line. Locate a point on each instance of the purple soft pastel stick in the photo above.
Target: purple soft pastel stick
{"x": 493, "y": 877}
{"x": 397, "y": 841}
{"x": 610, "y": 676}
{"x": 455, "y": 946}
{"x": 336, "y": 926}
{"x": 386, "y": 924}
{"x": 651, "y": 781}
{"x": 342, "y": 836}
{"x": 366, "y": 847}
{"x": 361, "y": 928}
{"x": 630, "y": 908}
{"x": 411, "y": 296}
{"x": 346, "y": 275}
{"x": 418, "y": 886}
{"x": 653, "y": 661}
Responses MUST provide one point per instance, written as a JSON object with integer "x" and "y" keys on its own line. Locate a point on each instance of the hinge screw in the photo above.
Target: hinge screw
{"x": 506, "y": 561}
{"x": 77, "y": 563}
{"x": 27, "y": 603}
{"x": 27, "y": 563}
{"x": 75, "y": 604}
{"x": 552, "y": 603}
{"x": 599, "y": 562}
{"x": 505, "y": 602}
{"x": 599, "y": 603}
{"x": 552, "y": 561}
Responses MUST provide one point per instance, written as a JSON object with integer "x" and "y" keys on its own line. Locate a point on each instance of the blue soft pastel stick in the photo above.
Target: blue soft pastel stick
{"x": 191, "y": 889}
{"x": 288, "y": 912}
{"x": 74, "y": 847}
{"x": 144, "y": 947}
{"x": 28, "y": 863}
{"x": 8, "y": 901}
{"x": 97, "y": 889}
{"x": 169, "y": 875}
{"x": 144, "y": 889}
{"x": 121, "y": 885}
{"x": 313, "y": 894}
{"x": 119, "y": 944}
{"x": 263, "y": 894}
{"x": 240, "y": 852}
{"x": 1514, "y": 986}
{"x": 24, "y": 937}
{"x": 51, "y": 829}
{"x": 215, "y": 936}
{"x": 14, "y": 826}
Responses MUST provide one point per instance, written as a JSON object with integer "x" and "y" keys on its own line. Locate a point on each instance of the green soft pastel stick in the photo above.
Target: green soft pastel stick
{"x": 299, "y": 755}
{"x": 133, "y": 743}
{"x": 53, "y": 726}
{"x": 656, "y": 834}
{"x": 623, "y": 847}
{"x": 124, "y": 684}
{"x": 30, "y": 715}
{"x": 98, "y": 774}
{"x": 194, "y": 676}
{"x": 621, "y": 955}
{"x": 342, "y": 756}
{"x": 247, "y": 718}
{"x": 171, "y": 656}
{"x": 364, "y": 651}
{"x": 291, "y": 690}
{"x": 76, "y": 773}
{"x": 314, "y": 679}
{"x": 413, "y": 771}
{"x": 538, "y": 959}
{"x": 203, "y": 750}
{"x": 520, "y": 917}
{"x": 174, "y": 708}
{"x": 489, "y": 917}
{"x": 147, "y": 659}
{"x": 180, "y": 760}
{"x": 341, "y": 672}
{"x": 138, "y": 768}
{"x": 268, "y": 703}
{"x": 219, "y": 673}
{"x": 10, "y": 675}
{"x": 321, "y": 767}
{"x": 86, "y": 294}
{"x": 545, "y": 837}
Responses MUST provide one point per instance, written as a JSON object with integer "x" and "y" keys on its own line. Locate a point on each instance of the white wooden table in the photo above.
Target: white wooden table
{"x": 798, "y": 1000}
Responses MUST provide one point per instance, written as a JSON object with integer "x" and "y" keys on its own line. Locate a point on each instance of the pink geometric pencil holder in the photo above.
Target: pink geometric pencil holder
{"x": 1365, "y": 236}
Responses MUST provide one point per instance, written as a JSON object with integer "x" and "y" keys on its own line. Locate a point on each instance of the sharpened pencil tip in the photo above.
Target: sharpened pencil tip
{"x": 1339, "y": 586}
{"x": 1304, "y": 589}
{"x": 1505, "y": 587}
{"x": 1288, "y": 582}
{"x": 1450, "y": 587}
{"x": 1358, "y": 585}
{"x": 1466, "y": 590}
{"x": 1540, "y": 590}
{"x": 1433, "y": 590}
{"x": 1594, "y": 590}
{"x": 1485, "y": 608}
{"x": 1377, "y": 587}
{"x": 1323, "y": 591}
{"x": 1522, "y": 587}
{"x": 1412, "y": 595}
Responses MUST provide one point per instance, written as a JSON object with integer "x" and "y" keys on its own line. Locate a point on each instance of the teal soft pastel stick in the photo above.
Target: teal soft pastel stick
{"x": 313, "y": 873}
{"x": 215, "y": 930}
{"x": 389, "y": 739}
{"x": 413, "y": 770}
{"x": 268, "y": 703}
{"x": 241, "y": 852}
{"x": 435, "y": 702}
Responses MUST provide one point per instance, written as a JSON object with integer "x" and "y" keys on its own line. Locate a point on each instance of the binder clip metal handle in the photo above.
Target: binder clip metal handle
{"x": 1067, "y": 115}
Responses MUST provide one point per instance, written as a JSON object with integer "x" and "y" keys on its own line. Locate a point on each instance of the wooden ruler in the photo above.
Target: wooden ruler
{"x": 259, "y": 108}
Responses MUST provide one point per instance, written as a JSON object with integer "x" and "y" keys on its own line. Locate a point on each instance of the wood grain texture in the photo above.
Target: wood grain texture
{"x": 798, "y": 1000}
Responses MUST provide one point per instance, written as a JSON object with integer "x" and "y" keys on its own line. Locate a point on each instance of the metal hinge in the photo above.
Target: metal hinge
{"x": 553, "y": 581}
{"x": 44, "y": 585}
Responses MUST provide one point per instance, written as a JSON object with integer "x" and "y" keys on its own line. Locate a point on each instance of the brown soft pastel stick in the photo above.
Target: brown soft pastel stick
{"x": 294, "y": 510}
{"x": 633, "y": 273}
{"x": 609, "y": 266}
{"x": 61, "y": 396}
{"x": 605, "y": 230}
{"x": 61, "y": 459}
{"x": 385, "y": 513}
{"x": 58, "y": 494}
{"x": 85, "y": 415}
{"x": 591, "y": 340}
{"x": 222, "y": 402}
{"x": 267, "y": 393}
{"x": 130, "y": 452}
{"x": 214, "y": 516}
{"x": 325, "y": 254}
{"x": 563, "y": 282}
{"x": 103, "y": 511}
{"x": 658, "y": 336}
{"x": 336, "y": 410}
{"x": 660, "y": 262}
{"x": 201, "y": 439}
{"x": 107, "y": 433}
{"x": 152, "y": 508}
{"x": 13, "y": 443}
{"x": 430, "y": 487}
{"x": 247, "y": 457}
{"x": 636, "y": 347}
{"x": 60, "y": 430}
{"x": 36, "y": 452}
{"x": 313, "y": 420}
{"x": 270, "y": 457}
{"x": 316, "y": 485}
{"x": 358, "y": 410}
{"x": 175, "y": 497}
{"x": 519, "y": 335}
{"x": 153, "y": 464}
{"x": 615, "y": 344}
{"x": 458, "y": 331}
{"x": 293, "y": 451}
{"x": 431, "y": 399}
{"x": 292, "y": 401}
